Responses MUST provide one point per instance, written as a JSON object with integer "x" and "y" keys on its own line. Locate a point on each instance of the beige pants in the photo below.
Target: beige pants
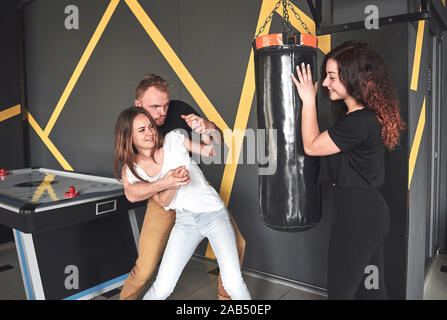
{"x": 154, "y": 235}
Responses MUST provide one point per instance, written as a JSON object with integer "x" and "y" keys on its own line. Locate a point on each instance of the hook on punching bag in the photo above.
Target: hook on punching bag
{"x": 289, "y": 199}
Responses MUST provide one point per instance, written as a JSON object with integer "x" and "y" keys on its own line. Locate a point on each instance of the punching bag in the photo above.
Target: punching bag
{"x": 289, "y": 198}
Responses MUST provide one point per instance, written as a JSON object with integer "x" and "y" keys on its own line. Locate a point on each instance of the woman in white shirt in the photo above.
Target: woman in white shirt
{"x": 200, "y": 212}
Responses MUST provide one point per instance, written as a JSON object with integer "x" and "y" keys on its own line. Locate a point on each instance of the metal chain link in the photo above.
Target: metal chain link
{"x": 297, "y": 16}
{"x": 286, "y": 21}
{"x": 268, "y": 18}
{"x": 287, "y": 27}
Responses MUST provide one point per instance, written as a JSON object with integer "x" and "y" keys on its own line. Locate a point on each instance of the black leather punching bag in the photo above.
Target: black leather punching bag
{"x": 289, "y": 199}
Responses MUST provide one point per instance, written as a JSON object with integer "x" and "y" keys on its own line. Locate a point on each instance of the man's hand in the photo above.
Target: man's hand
{"x": 207, "y": 129}
{"x": 198, "y": 124}
{"x": 176, "y": 178}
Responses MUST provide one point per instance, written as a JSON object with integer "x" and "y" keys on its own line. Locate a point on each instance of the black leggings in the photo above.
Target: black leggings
{"x": 361, "y": 224}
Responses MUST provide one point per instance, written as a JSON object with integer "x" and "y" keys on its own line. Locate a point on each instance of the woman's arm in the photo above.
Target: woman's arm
{"x": 145, "y": 190}
{"x": 203, "y": 149}
{"x": 314, "y": 143}
{"x": 165, "y": 197}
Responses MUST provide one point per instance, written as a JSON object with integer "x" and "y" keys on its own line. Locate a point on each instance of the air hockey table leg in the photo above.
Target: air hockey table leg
{"x": 29, "y": 266}
{"x": 134, "y": 226}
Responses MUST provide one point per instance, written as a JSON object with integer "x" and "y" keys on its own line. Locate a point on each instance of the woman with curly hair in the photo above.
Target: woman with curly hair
{"x": 353, "y": 152}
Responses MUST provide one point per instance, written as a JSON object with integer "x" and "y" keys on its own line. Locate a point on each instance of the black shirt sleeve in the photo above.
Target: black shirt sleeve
{"x": 174, "y": 118}
{"x": 348, "y": 132}
{"x": 187, "y": 109}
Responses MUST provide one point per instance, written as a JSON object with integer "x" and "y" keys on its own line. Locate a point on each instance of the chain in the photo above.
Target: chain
{"x": 287, "y": 28}
{"x": 286, "y": 23}
{"x": 297, "y": 16}
{"x": 268, "y": 18}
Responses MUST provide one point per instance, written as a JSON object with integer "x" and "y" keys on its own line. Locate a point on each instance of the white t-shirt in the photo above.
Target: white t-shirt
{"x": 197, "y": 195}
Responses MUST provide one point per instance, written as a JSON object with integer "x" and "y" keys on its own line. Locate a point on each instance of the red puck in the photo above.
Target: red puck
{"x": 71, "y": 193}
{"x": 3, "y": 172}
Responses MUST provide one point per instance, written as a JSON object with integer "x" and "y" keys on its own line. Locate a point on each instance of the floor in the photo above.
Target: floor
{"x": 199, "y": 282}
{"x": 436, "y": 281}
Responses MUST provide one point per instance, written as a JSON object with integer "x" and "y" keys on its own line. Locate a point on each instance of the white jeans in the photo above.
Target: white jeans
{"x": 190, "y": 228}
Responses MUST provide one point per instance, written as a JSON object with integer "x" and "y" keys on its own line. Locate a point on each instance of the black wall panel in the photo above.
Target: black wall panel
{"x": 11, "y": 128}
{"x": 347, "y": 11}
{"x": 443, "y": 153}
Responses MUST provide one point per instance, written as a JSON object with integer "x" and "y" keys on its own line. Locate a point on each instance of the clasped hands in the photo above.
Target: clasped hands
{"x": 176, "y": 178}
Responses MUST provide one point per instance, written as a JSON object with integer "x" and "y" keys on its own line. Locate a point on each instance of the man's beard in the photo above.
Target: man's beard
{"x": 160, "y": 121}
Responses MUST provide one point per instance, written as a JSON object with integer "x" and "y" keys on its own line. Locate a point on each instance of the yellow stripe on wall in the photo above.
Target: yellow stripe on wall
{"x": 10, "y": 112}
{"x": 47, "y": 141}
{"x": 179, "y": 68}
{"x": 417, "y": 55}
{"x": 81, "y": 65}
{"x": 414, "y": 86}
{"x": 416, "y": 143}
{"x": 237, "y": 135}
{"x": 245, "y": 103}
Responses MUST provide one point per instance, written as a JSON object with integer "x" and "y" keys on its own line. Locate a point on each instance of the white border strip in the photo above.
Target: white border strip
{"x": 9, "y": 207}
{"x": 33, "y": 266}
{"x": 134, "y": 226}
{"x": 81, "y": 176}
{"x": 77, "y": 202}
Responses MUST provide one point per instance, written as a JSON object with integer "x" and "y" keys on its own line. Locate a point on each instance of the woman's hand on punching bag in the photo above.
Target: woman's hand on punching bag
{"x": 306, "y": 89}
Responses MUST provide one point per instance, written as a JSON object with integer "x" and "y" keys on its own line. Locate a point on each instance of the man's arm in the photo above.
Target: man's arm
{"x": 145, "y": 190}
{"x": 213, "y": 135}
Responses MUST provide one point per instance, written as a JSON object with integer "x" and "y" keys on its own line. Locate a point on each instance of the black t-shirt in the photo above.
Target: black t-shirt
{"x": 361, "y": 162}
{"x": 174, "y": 120}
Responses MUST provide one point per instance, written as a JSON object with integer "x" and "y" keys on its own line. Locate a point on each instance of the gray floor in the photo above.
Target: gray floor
{"x": 11, "y": 285}
{"x": 199, "y": 282}
{"x": 436, "y": 281}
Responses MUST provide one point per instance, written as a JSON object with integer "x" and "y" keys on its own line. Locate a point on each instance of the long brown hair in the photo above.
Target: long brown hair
{"x": 125, "y": 151}
{"x": 365, "y": 75}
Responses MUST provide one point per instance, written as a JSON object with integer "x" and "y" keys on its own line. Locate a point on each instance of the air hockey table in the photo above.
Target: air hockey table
{"x": 69, "y": 248}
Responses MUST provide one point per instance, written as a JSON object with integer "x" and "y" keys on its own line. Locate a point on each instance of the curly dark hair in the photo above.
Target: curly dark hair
{"x": 365, "y": 75}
